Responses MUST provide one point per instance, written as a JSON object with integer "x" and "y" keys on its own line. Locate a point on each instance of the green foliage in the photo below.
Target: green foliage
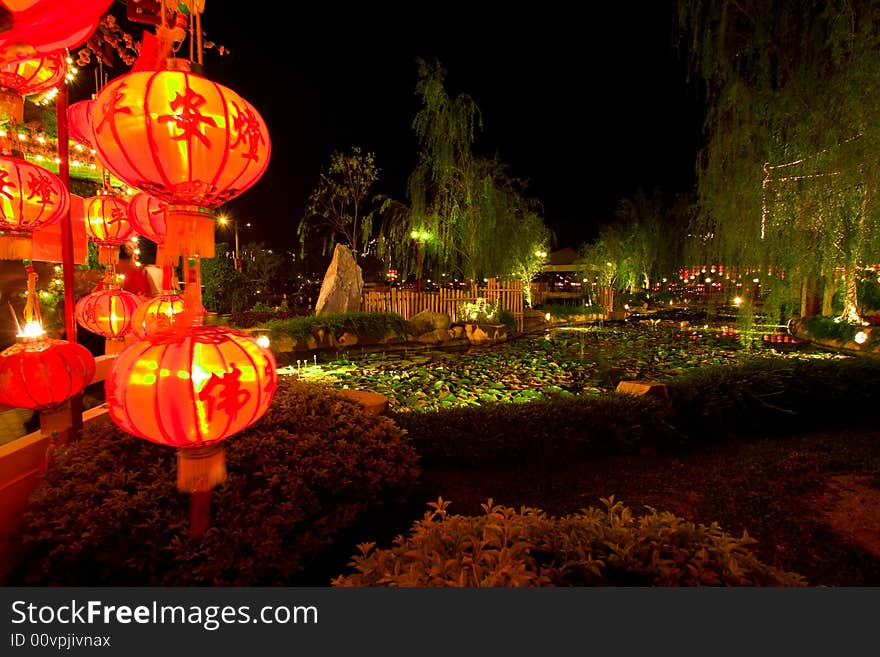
{"x": 547, "y": 429}
{"x": 507, "y": 318}
{"x": 869, "y": 295}
{"x": 608, "y": 546}
{"x": 257, "y": 316}
{"x": 789, "y": 176}
{"x": 224, "y": 288}
{"x": 109, "y": 512}
{"x": 565, "y": 311}
{"x": 480, "y": 220}
{"x": 372, "y": 325}
{"x": 831, "y": 328}
{"x": 340, "y": 208}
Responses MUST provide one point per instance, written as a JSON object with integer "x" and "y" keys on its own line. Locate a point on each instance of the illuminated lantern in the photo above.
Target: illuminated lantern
{"x": 107, "y": 310}
{"x": 23, "y": 77}
{"x": 191, "y": 389}
{"x": 44, "y": 26}
{"x": 79, "y": 122}
{"x": 107, "y": 225}
{"x": 42, "y": 373}
{"x": 146, "y": 214}
{"x": 184, "y": 139}
{"x": 162, "y": 312}
{"x": 30, "y": 198}
{"x": 39, "y": 372}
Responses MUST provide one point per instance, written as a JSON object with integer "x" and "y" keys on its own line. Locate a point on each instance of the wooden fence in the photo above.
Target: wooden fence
{"x": 406, "y": 303}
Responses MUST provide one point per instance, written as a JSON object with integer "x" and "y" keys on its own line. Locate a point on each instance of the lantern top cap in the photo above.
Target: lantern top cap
{"x": 182, "y": 64}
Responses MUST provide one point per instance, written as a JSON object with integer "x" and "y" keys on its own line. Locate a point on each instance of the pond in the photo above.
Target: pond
{"x": 559, "y": 361}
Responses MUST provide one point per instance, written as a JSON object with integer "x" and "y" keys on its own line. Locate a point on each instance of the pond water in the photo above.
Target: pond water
{"x": 559, "y": 361}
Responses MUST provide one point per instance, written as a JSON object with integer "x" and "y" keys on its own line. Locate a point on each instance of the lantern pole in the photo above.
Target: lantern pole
{"x": 67, "y": 253}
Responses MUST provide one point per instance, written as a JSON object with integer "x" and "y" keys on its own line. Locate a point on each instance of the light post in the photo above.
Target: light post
{"x": 419, "y": 237}
{"x": 226, "y": 221}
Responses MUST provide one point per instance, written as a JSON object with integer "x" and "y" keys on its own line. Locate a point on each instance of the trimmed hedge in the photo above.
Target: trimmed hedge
{"x": 373, "y": 325}
{"x": 109, "y": 513}
{"x": 545, "y": 430}
{"x": 596, "y": 547}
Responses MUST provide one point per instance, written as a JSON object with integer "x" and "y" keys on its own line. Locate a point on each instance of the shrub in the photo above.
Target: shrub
{"x": 109, "y": 513}
{"x": 565, "y": 311}
{"x": 830, "y": 328}
{"x": 596, "y": 547}
{"x": 508, "y": 319}
{"x": 374, "y": 325}
{"x": 542, "y": 431}
{"x": 771, "y": 393}
{"x": 254, "y": 317}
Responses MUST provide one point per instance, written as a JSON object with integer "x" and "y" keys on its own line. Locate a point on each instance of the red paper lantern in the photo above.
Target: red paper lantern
{"x": 30, "y": 198}
{"x": 79, "y": 122}
{"x": 158, "y": 314}
{"x": 43, "y": 373}
{"x": 23, "y": 77}
{"x": 146, "y": 214}
{"x": 184, "y": 139}
{"x": 44, "y": 26}
{"x": 107, "y": 311}
{"x": 107, "y": 225}
{"x": 191, "y": 388}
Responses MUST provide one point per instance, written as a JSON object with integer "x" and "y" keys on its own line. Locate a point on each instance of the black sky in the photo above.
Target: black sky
{"x": 587, "y": 109}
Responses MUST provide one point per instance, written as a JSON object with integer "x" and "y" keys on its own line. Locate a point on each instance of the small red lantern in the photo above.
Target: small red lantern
{"x": 107, "y": 225}
{"x": 186, "y": 140}
{"x": 146, "y": 214}
{"x": 79, "y": 122}
{"x": 44, "y": 26}
{"x": 30, "y": 198}
{"x": 42, "y": 373}
{"x": 107, "y": 310}
{"x": 39, "y": 372}
{"x": 23, "y": 77}
{"x": 162, "y": 312}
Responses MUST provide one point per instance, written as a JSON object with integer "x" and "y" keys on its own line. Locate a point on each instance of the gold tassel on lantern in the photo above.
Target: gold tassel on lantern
{"x": 200, "y": 469}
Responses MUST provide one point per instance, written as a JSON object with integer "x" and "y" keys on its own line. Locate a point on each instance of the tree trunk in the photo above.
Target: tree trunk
{"x": 851, "y": 296}
{"x": 811, "y": 304}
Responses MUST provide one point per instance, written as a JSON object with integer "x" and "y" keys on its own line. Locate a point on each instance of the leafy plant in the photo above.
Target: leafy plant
{"x": 372, "y": 325}
{"x": 830, "y": 328}
{"x": 109, "y": 512}
{"x": 608, "y": 546}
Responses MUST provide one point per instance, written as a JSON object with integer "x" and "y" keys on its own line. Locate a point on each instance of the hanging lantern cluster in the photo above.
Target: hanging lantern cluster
{"x": 39, "y": 372}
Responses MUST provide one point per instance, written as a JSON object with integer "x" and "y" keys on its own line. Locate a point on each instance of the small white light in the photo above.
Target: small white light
{"x": 737, "y": 301}
{"x": 626, "y": 306}
{"x": 861, "y": 337}
{"x": 547, "y": 317}
{"x": 756, "y": 280}
{"x": 708, "y": 280}
{"x": 263, "y": 341}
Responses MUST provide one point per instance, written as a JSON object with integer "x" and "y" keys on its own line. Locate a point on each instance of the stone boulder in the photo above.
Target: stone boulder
{"x": 343, "y": 284}
{"x": 434, "y": 337}
{"x": 427, "y": 321}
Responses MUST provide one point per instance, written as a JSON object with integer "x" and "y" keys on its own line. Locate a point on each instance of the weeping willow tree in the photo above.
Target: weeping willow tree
{"x": 475, "y": 216}
{"x": 787, "y": 180}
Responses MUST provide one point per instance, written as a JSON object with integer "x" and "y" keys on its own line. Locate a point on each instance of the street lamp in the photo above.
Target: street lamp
{"x": 420, "y": 237}
{"x": 226, "y": 222}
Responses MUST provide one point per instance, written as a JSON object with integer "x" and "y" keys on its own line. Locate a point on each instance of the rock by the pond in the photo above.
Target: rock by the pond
{"x": 343, "y": 284}
{"x": 434, "y": 337}
{"x": 427, "y": 321}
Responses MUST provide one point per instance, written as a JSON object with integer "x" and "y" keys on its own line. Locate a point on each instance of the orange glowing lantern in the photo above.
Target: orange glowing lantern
{"x": 23, "y": 77}
{"x": 44, "y": 26}
{"x": 107, "y": 310}
{"x": 191, "y": 389}
{"x": 39, "y": 372}
{"x": 184, "y": 139}
{"x": 162, "y": 312}
{"x": 30, "y": 198}
{"x": 146, "y": 214}
{"x": 79, "y": 122}
{"x": 107, "y": 225}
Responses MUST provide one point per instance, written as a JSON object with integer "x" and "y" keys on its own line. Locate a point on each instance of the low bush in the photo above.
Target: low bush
{"x": 109, "y": 512}
{"x": 830, "y": 328}
{"x": 764, "y": 393}
{"x": 542, "y": 431}
{"x": 252, "y": 317}
{"x": 371, "y": 325}
{"x": 595, "y": 547}
{"x": 508, "y": 319}
{"x": 565, "y": 311}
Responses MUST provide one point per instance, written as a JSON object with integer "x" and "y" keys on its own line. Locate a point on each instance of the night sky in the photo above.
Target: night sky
{"x": 588, "y": 112}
